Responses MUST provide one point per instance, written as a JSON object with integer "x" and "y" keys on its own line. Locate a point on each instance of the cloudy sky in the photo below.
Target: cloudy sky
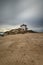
{"x": 16, "y": 12}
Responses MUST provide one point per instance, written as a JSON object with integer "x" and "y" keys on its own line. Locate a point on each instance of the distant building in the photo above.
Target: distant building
{"x": 23, "y": 26}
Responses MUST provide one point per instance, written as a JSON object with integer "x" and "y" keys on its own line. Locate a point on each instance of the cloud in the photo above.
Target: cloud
{"x": 4, "y": 28}
{"x": 15, "y": 12}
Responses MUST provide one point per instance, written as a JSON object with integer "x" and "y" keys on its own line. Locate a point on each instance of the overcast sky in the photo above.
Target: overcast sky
{"x": 16, "y": 12}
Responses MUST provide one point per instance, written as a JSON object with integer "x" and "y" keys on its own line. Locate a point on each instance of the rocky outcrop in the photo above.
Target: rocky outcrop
{"x": 23, "y": 29}
{"x": 15, "y": 31}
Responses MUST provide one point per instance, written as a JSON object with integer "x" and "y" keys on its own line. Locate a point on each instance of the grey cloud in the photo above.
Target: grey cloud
{"x": 11, "y": 10}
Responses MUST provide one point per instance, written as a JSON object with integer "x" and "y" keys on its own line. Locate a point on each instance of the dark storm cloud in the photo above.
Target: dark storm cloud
{"x": 21, "y": 11}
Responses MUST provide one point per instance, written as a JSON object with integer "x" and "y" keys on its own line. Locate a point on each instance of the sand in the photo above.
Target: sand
{"x": 21, "y": 49}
